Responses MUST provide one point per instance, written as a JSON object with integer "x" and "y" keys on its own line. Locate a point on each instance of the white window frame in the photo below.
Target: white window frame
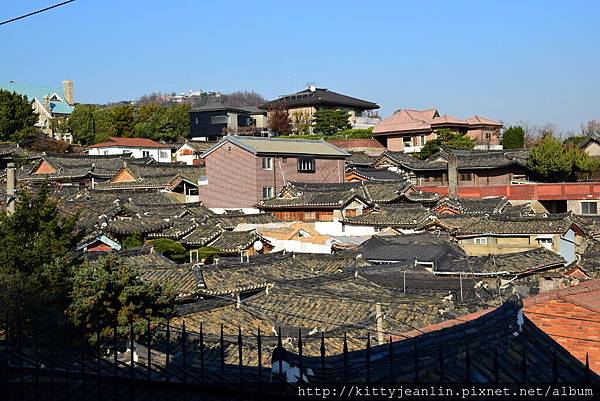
{"x": 306, "y": 165}
{"x": 268, "y": 192}
{"x": 480, "y": 241}
{"x": 163, "y": 154}
{"x": 267, "y": 163}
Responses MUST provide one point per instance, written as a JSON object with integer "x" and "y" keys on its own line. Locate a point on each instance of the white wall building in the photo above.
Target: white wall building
{"x": 137, "y": 147}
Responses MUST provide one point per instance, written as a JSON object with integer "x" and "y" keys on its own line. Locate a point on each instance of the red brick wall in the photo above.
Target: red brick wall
{"x": 236, "y": 178}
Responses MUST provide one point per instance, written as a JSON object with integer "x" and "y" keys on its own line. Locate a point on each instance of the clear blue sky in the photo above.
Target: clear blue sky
{"x": 511, "y": 60}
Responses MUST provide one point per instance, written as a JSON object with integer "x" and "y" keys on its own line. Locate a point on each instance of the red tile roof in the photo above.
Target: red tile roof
{"x": 130, "y": 143}
{"x": 571, "y": 316}
{"x": 478, "y": 120}
{"x": 407, "y": 120}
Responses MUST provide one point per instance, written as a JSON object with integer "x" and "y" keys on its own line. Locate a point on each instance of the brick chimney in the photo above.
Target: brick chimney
{"x": 10, "y": 188}
{"x": 68, "y": 90}
{"x": 452, "y": 176}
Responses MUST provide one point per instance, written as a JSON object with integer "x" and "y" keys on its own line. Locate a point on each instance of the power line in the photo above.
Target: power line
{"x": 36, "y": 12}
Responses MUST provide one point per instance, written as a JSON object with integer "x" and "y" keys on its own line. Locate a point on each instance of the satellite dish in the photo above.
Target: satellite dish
{"x": 258, "y": 245}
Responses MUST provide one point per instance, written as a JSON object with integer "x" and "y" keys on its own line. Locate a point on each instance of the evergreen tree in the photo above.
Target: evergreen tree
{"x": 36, "y": 259}
{"x": 81, "y": 124}
{"x": 328, "y": 121}
{"x": 513, "y": 138}
{"x": 448, "y": 139}
{"x": 104, "y": 126}
{"x": 17, "y": 118}
{"x": 111, "y": 291}
{"x": 549, "y": 160}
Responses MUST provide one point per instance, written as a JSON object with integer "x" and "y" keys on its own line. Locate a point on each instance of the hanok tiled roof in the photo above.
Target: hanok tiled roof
{"x": 201, "y": 235}
{"x": 328, "y": 196}
{"x": 179, "y": 229}
{"x": 523, "y": 262}
{"x": 70, "y": 166}
{"x": 396, "y": 249}
{"x": 590, "y": 259}
{"x": 136, "y": 196}
{"x": 589, "y": 224}
{"x": 397, "y": 216}
{"x": 499, "y": 225}
{"x": 377, "y": 174}
{"x": 231, "y": 220}
{"x": 473, "y": 206}
{"x": 231, "y": 275}
{"x": 359, "y": 159}
{"x": 142, "y": 226}
{"x": 276, "y": 146}
{"x": 130, "y": 143}
{"x": 235, "y": 241}
{"x": 155, "y": 175}
{"x": 140, "y": 257}
{"x": 337, "y": 196}
{"x": 181, "y": 277}
{"x": 320, "y": 97}
{"x": 466, "y": 160}
{"x": 468, "y": 349}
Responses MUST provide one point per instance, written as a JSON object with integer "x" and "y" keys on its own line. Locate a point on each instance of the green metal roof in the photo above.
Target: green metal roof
{"x": 38, "y": 92}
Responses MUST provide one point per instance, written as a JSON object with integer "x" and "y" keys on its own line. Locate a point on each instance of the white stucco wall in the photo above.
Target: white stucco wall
{"x": 162, "y": 155}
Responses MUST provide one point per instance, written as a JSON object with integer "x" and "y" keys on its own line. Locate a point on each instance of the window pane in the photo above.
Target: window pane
{"x": 219, "y": 119}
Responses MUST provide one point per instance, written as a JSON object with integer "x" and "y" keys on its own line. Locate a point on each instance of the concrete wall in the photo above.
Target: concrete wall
{"x": 592, "y": 149}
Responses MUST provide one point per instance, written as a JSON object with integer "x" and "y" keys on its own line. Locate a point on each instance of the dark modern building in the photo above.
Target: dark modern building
{"x": 213, "y": 121}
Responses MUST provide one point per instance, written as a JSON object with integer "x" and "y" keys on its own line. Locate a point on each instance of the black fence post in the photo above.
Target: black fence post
{"x": 52, "y": 360}
{"x": 587, "y": 368}
{"x": 441, "y": 362}
{"x": 202, "y": 350}
{"x": 115, "y": 359}
{"x": 168, "y": 355}
{"x": 468, "y": 364}
{"x": 416, "y": 361}
{"x": 240, "y": 352}
{"x": 222, "y": 353}
{"x": 184, "y": 351}
{"x": 496, "y": 366}
{"x": 259, "y": 350}
{"x": 345, "y": 352}
{"x": 322, "y": 350}
{"x": 149, "y": 338}
{"x": 391, "y": 359}
{"x": 368, "y": 358}
{"x": 280, "y": 346}
{"x": 524, "y": 364}
{"x": 300, "y": 356}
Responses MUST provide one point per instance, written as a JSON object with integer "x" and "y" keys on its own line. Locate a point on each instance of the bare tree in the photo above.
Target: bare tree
{"x": 243, "y": 98}
{"x": 590, "y": 128}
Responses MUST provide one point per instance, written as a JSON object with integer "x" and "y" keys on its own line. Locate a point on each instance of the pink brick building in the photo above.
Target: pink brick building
{"x": 241, "y": 171}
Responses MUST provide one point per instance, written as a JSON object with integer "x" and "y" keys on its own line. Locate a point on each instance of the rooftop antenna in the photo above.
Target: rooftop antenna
{"x": 312, "y": 86}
